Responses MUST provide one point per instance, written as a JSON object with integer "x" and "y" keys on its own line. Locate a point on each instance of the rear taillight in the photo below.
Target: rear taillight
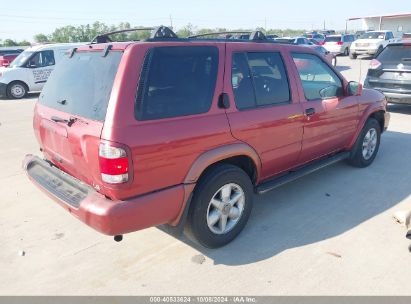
{"x": 375, "y": 64}
{"x": 322, "y": 42}
{"x": 340, "y": 43}
{"x": 113, "y": 164}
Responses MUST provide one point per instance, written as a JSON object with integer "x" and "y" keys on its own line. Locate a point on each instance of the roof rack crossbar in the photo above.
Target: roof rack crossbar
{"x": 162, "y": 32}
{"x": 156, "y": 32}
{"x": 219, "y": 33}
{"x": 254, "y": 35}
{"x": 257, "y": 35}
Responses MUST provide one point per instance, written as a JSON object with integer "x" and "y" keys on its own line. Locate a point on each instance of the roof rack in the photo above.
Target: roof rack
{"x": 159, "y": 32}
{"x": 242, "y": 35}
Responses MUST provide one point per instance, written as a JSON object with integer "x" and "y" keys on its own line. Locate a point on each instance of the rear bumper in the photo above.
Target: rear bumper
{"x": 3, "y": 90}
{"x": 393, "y": 95}
{"x": 398, "y": 98}
{"x": 335, "y": 49}
{"x": 105, "y": 215}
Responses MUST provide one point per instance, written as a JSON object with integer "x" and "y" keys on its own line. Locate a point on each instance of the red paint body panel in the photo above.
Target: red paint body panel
{"x": 167, "y": 156}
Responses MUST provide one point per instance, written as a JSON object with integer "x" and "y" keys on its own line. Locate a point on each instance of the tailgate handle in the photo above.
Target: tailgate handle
{"x": 58, "y": 119}
{"x": 68, "y": 122}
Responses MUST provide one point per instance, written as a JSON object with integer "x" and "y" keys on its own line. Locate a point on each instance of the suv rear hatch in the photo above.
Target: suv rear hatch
{"x": 391, "y": 70}
{"x": 71, "y": 110}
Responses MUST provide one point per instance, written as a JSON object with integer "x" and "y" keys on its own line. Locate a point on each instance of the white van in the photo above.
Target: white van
{"x": 31, "y": 69}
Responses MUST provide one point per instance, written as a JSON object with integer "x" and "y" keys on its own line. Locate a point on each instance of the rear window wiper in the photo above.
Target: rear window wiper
{"x": 406, "y": 59}
{"x": 68, "y": 122}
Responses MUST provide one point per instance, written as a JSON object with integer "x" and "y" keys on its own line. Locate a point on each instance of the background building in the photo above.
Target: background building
{"x": 398, "y": 23}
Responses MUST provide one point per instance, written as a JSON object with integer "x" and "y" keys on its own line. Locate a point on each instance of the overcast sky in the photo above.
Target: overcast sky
{"x": 22, "y": 19}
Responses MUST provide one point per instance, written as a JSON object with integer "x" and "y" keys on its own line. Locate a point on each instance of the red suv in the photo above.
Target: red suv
{"x": 182, "y": 132}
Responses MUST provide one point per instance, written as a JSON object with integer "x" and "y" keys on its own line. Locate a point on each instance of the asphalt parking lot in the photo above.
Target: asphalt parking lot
{"x": 329, "y": 233}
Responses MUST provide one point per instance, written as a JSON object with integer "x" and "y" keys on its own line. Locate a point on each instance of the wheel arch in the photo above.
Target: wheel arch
{"x": 238, "y": 154}
{"x": 372, "y": 112}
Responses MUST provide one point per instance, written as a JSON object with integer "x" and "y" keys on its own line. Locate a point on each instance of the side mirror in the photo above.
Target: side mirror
{"x": 354, "y": 88}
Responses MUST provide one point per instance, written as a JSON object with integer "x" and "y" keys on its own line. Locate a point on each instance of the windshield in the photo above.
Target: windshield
{"x": 84, "y": 83}
{"x": 373, "y": 35}
{"x": 21, "y": 59}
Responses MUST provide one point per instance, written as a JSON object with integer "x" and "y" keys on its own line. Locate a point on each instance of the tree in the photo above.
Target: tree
{"x": 9, "y": 42}
{"x": 23, "y": 43}
{"x": 186, "y": 31}
{"x": 41, "y": 38}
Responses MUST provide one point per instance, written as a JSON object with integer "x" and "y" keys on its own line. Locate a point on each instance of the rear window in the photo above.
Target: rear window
{"x": 176, "y": 81}
{"x": 396, "y": 53}
{"x": 82, "y": 85}
{"x": 333, "y": 39}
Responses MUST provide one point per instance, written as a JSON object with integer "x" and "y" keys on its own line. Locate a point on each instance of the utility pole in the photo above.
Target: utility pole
{"x": 171, "y": 22}
{"x": 265, "y": 25}
{"x": 324, "y": 25}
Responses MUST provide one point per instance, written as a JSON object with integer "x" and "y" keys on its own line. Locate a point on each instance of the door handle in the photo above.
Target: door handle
{"x": 309, "y": 111}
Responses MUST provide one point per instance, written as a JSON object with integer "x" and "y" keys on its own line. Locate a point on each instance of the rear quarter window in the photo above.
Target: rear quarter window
{"x": 176, "y": 81}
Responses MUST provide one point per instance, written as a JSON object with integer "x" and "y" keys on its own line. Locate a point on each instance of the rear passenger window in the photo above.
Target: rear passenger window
{"x": 176, "y": 81}
{"x": 259, "y": 79}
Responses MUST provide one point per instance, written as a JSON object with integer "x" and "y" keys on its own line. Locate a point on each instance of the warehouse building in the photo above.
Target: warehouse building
{"x": 398, "y": 23}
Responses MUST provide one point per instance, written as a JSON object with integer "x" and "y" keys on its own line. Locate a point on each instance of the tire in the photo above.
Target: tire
{"x": 17, "y": 90}
{"x": 366, "y": 148}
{"x": 353, "y": 56}
{"x": 346, "y": 52}
{"x": 205, "y": 220}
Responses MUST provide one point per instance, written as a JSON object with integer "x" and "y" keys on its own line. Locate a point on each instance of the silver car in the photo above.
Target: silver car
{"x": 339, "y": 44}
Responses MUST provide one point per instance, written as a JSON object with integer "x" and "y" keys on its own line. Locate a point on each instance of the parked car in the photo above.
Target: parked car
{"x": 390, "y": 72}
{"x": 182, "y": 132}
{"x": 358, "y": 34}
{"x": 31, "y": 69}
{"x": 339, "y": 44}
{"x": 10, "y": 51}
{"x": 406, "y": 36}
{"x": 318, "y": 37}
{"x": 313, "y": 41}
{"x": 329, "y": 57}
{"x": 272, "y": 36}
{"x": 294, "y": 40}
{"x": 371, "y": 43}
{"x": 8, "y": 55}
{"x": 328, "y": 32}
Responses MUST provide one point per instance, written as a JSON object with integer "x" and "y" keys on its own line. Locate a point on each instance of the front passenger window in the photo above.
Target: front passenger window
{"x": 318, "y": 80}
{"x": 42, "y": 59}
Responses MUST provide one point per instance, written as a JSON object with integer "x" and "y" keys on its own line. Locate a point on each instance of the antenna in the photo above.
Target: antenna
{"x": 359, "y": 80}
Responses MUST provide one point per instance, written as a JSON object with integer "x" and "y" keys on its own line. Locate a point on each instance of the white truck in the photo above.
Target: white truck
{"x": 371, "y": 43}
{"x": 31, "y": 69}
